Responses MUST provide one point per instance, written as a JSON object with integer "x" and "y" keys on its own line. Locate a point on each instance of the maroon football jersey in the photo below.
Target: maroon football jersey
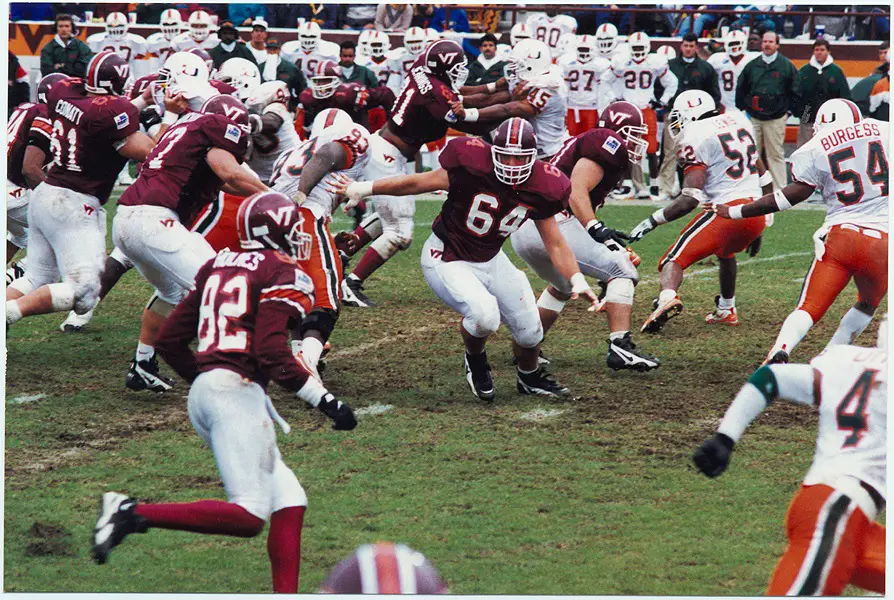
{"x": 349, "y": 97}
{"x": 86, "y": 131}
{"x": 175, "y": 174}
{"x": 222, "y": 86}
{"x": 28, "y": 124}
{"x": 481, "y": 212}
{"x": 419, "y": 112}
{"x": 141, "y": 84}
{"x": 604, "y": 147}
{"x": 242, "y": 307}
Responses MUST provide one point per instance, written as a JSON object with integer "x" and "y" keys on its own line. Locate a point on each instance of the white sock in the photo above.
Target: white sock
{"x": 296, "y": 347}
{"x": 312, "y": 349}
{"x": 13, "y": 314}
{"x": 852, "y": 324}
{"x": 666, "y": 296}
{"x": 144, "y": 351}
{"x": 354, "y": 277}
{"x": 617, "y": 335}
{"x": 793, "y": 330}
{"x": 726, "y": 303}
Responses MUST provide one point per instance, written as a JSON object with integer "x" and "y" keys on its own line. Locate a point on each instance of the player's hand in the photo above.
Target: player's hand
{"x": 721, "y": 210}
{"x": 580, "y": 287}
{"x": 611, "y": 238}
{"x": 458, "y": 109}
{"x": 347, "y": 242}
{"x": 520, "y": 91}
{"x": 657, "y": 104}
{"x": 150, "y": 117}
{"x": 255, "y": 123}
{"x": 642, "y": 229}
{"x": 175, "y": 103}
{"x": 755, "y": 246}
{"x": 342, "y": 416}
{"x": 712, "y": 457}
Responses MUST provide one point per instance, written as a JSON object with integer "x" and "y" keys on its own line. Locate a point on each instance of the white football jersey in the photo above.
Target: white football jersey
{"x": 382, "y": 70}
{"x": 307, "y": 61}
{"x": 583, "y": 80}
{"x": 728, "y": 72}
{"x": 853, "y": 408}
{"x": 503, "y": 51}
{"x": 635, "y": 81}
{"x": 286, "y": 137}
{"x": 549, "y": 95}
{"x": 160, "y": 49}
{"x": 550, "y": 30}
{"x": 131, "y": 48}
{"x": 321, "y": 200}
{"x": 184, "y": 42}
{"x": 724, "y": 146}
{"x": 401, "y": 61}
{"x": 850, "y": 166}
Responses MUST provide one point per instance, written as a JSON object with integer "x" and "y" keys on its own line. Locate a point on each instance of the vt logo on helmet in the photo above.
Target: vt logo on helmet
{"x": 107, "y": 73}
{"x": 626, "y": 120}
{"x": 446, "y": 62}
{"x": 271, "y": 220}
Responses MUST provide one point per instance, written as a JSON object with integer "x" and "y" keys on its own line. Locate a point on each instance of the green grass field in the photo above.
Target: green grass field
{"x": 593, "y": 495}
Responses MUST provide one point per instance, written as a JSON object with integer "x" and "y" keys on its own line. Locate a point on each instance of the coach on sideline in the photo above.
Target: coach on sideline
{"x": 768, "y": 91}
{"x": 819, "y": 80}
{"x": 65, "y": 53}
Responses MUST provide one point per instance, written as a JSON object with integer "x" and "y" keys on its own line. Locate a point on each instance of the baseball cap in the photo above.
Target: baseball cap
{"x": 259, "y": 22}
{"x": 272, "y": 43}
{"x": 226, "y": 25}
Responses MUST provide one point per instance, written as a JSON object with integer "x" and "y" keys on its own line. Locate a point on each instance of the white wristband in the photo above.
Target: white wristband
{"x": 359, "y": 189}
{"x": 471, "y": 115}
{"x": 591, "y": 223}
{"x": 491, "y": 87}
{"x": 579, "y": 283}
{"x": 735, "y": 212}
{"x": 765, "y": 179}
{"x": 658, "y": 217}
{"x": 782, "y": 202}
{"x": 169, "y": 118}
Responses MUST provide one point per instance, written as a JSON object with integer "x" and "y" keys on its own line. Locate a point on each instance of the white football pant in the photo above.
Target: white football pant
{"x": 17, "y": 199}
{"x": 396, "y": 211}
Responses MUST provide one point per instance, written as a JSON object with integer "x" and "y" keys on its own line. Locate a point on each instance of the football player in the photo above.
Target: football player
{"x": 729, "y": 65}
{"x": 309, "y": 50}
{"x": 550, "y": 27}
{"x": 198, "y": 35}
{"x": 585, "y": 95}
{"x": 833, "y": 536}
{"x": 608, "y": 43}
{"x": 240, "y": 310}
{"x": 161, "y": 43}
{"x": 242, "y": 74}
{"x": 193, "y": 160}
{"x": 402, "y": 59}
{"x": 632, "y": 77}
{"x": 28, "y": 151}
{"x": 847, "y": 159}
{"x": 491, "y": 192}
{"x": 519, "y": 32}
{"x": 595, "y": 161}
{"x": 95, "y": 131}
{"x": 129, "y": 46}
{"x": 375, "y": 57}
{"x": 384, "y": 568}
{"x": 273, "y": 131}
{"x": 720, "y": 166}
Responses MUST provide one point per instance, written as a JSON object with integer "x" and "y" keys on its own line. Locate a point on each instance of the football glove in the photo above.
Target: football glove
{"x": 712, "y": 457}
{"x": 150, "y": 116}
{"x": 657, "y": 105}
{"x": 611, "y": 238}
{"x": 642, "y": 229}
{"x": 754, "y": 247}
{"x": 341, "y": 414}
{"x": 347, "y": 242}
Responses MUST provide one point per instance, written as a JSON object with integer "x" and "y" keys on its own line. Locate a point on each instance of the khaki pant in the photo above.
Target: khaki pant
{"x": 667, "y": 177}
{"x": 805, "y": 133}
{"x": 770, "y": 135}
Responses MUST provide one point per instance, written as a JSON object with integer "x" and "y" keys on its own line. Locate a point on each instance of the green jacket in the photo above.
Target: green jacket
{"x": 768, "y": 91}
{"x": 697, "y": 75}
{"x": 817, "y": 86}
{"x": 294, "y": 78}
{"x": 72, "y": 58}
{"x": 863, "y": 89}
{"x": 479, "y": 75}
{"x": 361, "y": 75}
{"x": 219, "y": 55}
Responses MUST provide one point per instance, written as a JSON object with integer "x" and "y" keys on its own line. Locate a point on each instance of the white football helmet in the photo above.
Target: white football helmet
{"x": 735, "y": 43}
{"x": 116, "y": 26}
{"x": 378, "y": 44}
{"x": 586, "y": 48}
{"x": 519, "y": 32}
{"x": 184, "y": 73}
{"x": 529, "y": 59}
{"x": 269, "y": 92}
{"x": 688, "y": 107}
{"x": 667, "y": 52}
{"x": 309, "y": 35}
{"x": 640, "y": 46}
{"x": 331, "y": 117}
{"x": 171, "y": 24}
{"x": 431, "y": 36}
{"x": 199, "y": 25}
{"x": 242, "y": 74}
{"x": 836, "y": 113}
{"x": 606, "y": 39}
{"x": 414, "y": 40}
{"x": 363, "y": 41}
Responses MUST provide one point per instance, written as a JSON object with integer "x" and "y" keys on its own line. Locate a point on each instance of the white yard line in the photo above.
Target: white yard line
{"x": 26, "y": 399}
{"x": 540, "y": 414}
{"x": 373, "y": 409}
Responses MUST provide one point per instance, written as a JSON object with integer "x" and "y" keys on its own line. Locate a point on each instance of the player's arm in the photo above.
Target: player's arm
{"x": 176, "y": 334}
{"x": 585, "y": 176}
{"x": 400, "y": 185}
{"x": 236, "y": 180}
{"x": 670, "y": 83}
{"x": 690, "y": 197}
{"x": 765, "y": 180}
{"x": 136, "y": 146}
{"x": 779, "y": 200}
{"x": 32, "y": 166}
{"x": 485, "y": 88}
{"x": 500, "y": 112}
{"x": 269, "y": 122}
{"x": 484, "y": 100}
{"x": 563, "y": 259}
{"x": 331, "y": 157}
{"x": 796, "y": 383}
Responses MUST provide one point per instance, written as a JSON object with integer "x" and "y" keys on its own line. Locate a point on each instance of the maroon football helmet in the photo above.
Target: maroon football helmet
{"x": 46, "y": 84}
{"x": 514, "y": 151}
{"x": 445, "y": 60}
{"x": 325, "y": 79}
{"x": 203, "y": 54}
{"x": 230, "y": 107}
{"x": 107, "y": 73}
{"x": 272, "y": 220}
{"x": 627, "y": 121}
{"x": 384, "y": 568}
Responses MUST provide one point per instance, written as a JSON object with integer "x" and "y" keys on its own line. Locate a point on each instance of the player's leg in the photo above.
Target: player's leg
{"x": 735, "y": 237}
{"x": 869, "y": 262}
{"x": 286, "y": 523}
{"x": 369, "y": 229}
{"x": 117, "y": 264}
{"x": 870, "y": 571}
{"x": 574, "y": 122}
{"x": 16, "y": 230}
{"x": 324, "y": 268}
{"x": 651, "y": 121}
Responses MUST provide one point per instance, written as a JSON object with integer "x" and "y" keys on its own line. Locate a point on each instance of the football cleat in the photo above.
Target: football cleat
{"x": 478, "y": 376}
{"x": 643, "y": 195}
{"x": 145, "y": 375}
{"x": 622, "y": 354}
{"x": 654, "y": 192}
{"x": 539, "y": 383}
{"x": 779, "y": 357}
{"x": 722, "y": 316}
{"x": 75, "y": 322}
{"x": 116, "y": 521}
{"x": 622, "y": 192}
{"x": 662, "y": 314}
{"x": 352, "y": 294}
{"x": 15, "y": 271}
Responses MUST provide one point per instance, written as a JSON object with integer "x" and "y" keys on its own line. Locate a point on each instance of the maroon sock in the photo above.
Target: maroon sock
{"x": 284, "y": 548}
{"x": 204, "y": 516}
{"x": 371, "y": 261}
{"x": 364, "y": 236}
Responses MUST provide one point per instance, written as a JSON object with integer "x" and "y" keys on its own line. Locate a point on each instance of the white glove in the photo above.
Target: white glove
{"x": 642, "y": 229}
{"x": 357, "y": 191}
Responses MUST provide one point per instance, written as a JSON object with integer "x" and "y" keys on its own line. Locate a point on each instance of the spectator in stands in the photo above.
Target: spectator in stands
{"x": 876, "y": 13}
{"x": 274, "y": 68}
{"x": 75, "y": 9}
{"x": 754, "y": 39}
{"x": 360, "y": 16}
{"x": 819, "y": 80}
{"x": 31, "y": 11}
{"x": 65, "y": 53}
{"x": 230, "y": 46}
{"x": 768, "y": 91}
{"x": 244, "y": 14}
{"x": 422, "y": 15}
{"x": 836, "y": 26}
{"x": 702, "y": 20}
{"x": 459, "y": 22}
{"x": 619, "y": 18}
{"x": 393, "y": 17}
{"x": 352, "y": 72}
{"x": 103, "y": 9}
{"x": 258, "y": 43}
{"x": 282, "y": 15}
{"x": 324, "y": 15}
{"x": 487, "y": 68}
{"x": 18, "y": 91}
{"x": 150, "y": 12}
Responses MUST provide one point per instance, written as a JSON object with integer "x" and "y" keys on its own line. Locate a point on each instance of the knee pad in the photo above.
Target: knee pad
{"x": 287, "y": 490}
{"x": 158, "y": 306}
{"x": 86, "y": 296}
{"x": 24, "y": 285}
{"x": 405, "y": 232}
{"x": 172, "y": 299}
{"x": 372, "y": 225}
{"x": 529, "y": 336}
{"x": 549, "y": 302}
{"x": 18, "y": 239}
{"x": 484, "y": 320}
{"x": 619, "y": 291}
{"x": 322, "y": 320}
{"x": 387, "y": 245}
{"x": 63, "y": 296}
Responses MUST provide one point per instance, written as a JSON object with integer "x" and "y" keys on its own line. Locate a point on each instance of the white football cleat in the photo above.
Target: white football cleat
{"x": 115, "y": 521}
{"x": 75, "y": 322}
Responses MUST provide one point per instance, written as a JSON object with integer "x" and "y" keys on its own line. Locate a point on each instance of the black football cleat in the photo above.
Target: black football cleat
{"x": 622, "y": 354}
{"x": 539, "y": 383}
{"x": 116, "y": 521}
{"x": 478, "y": 376}
{"x": 352, "y": 294}
{"x": 145, "y": 375}
{"x": 780, "y": 357}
